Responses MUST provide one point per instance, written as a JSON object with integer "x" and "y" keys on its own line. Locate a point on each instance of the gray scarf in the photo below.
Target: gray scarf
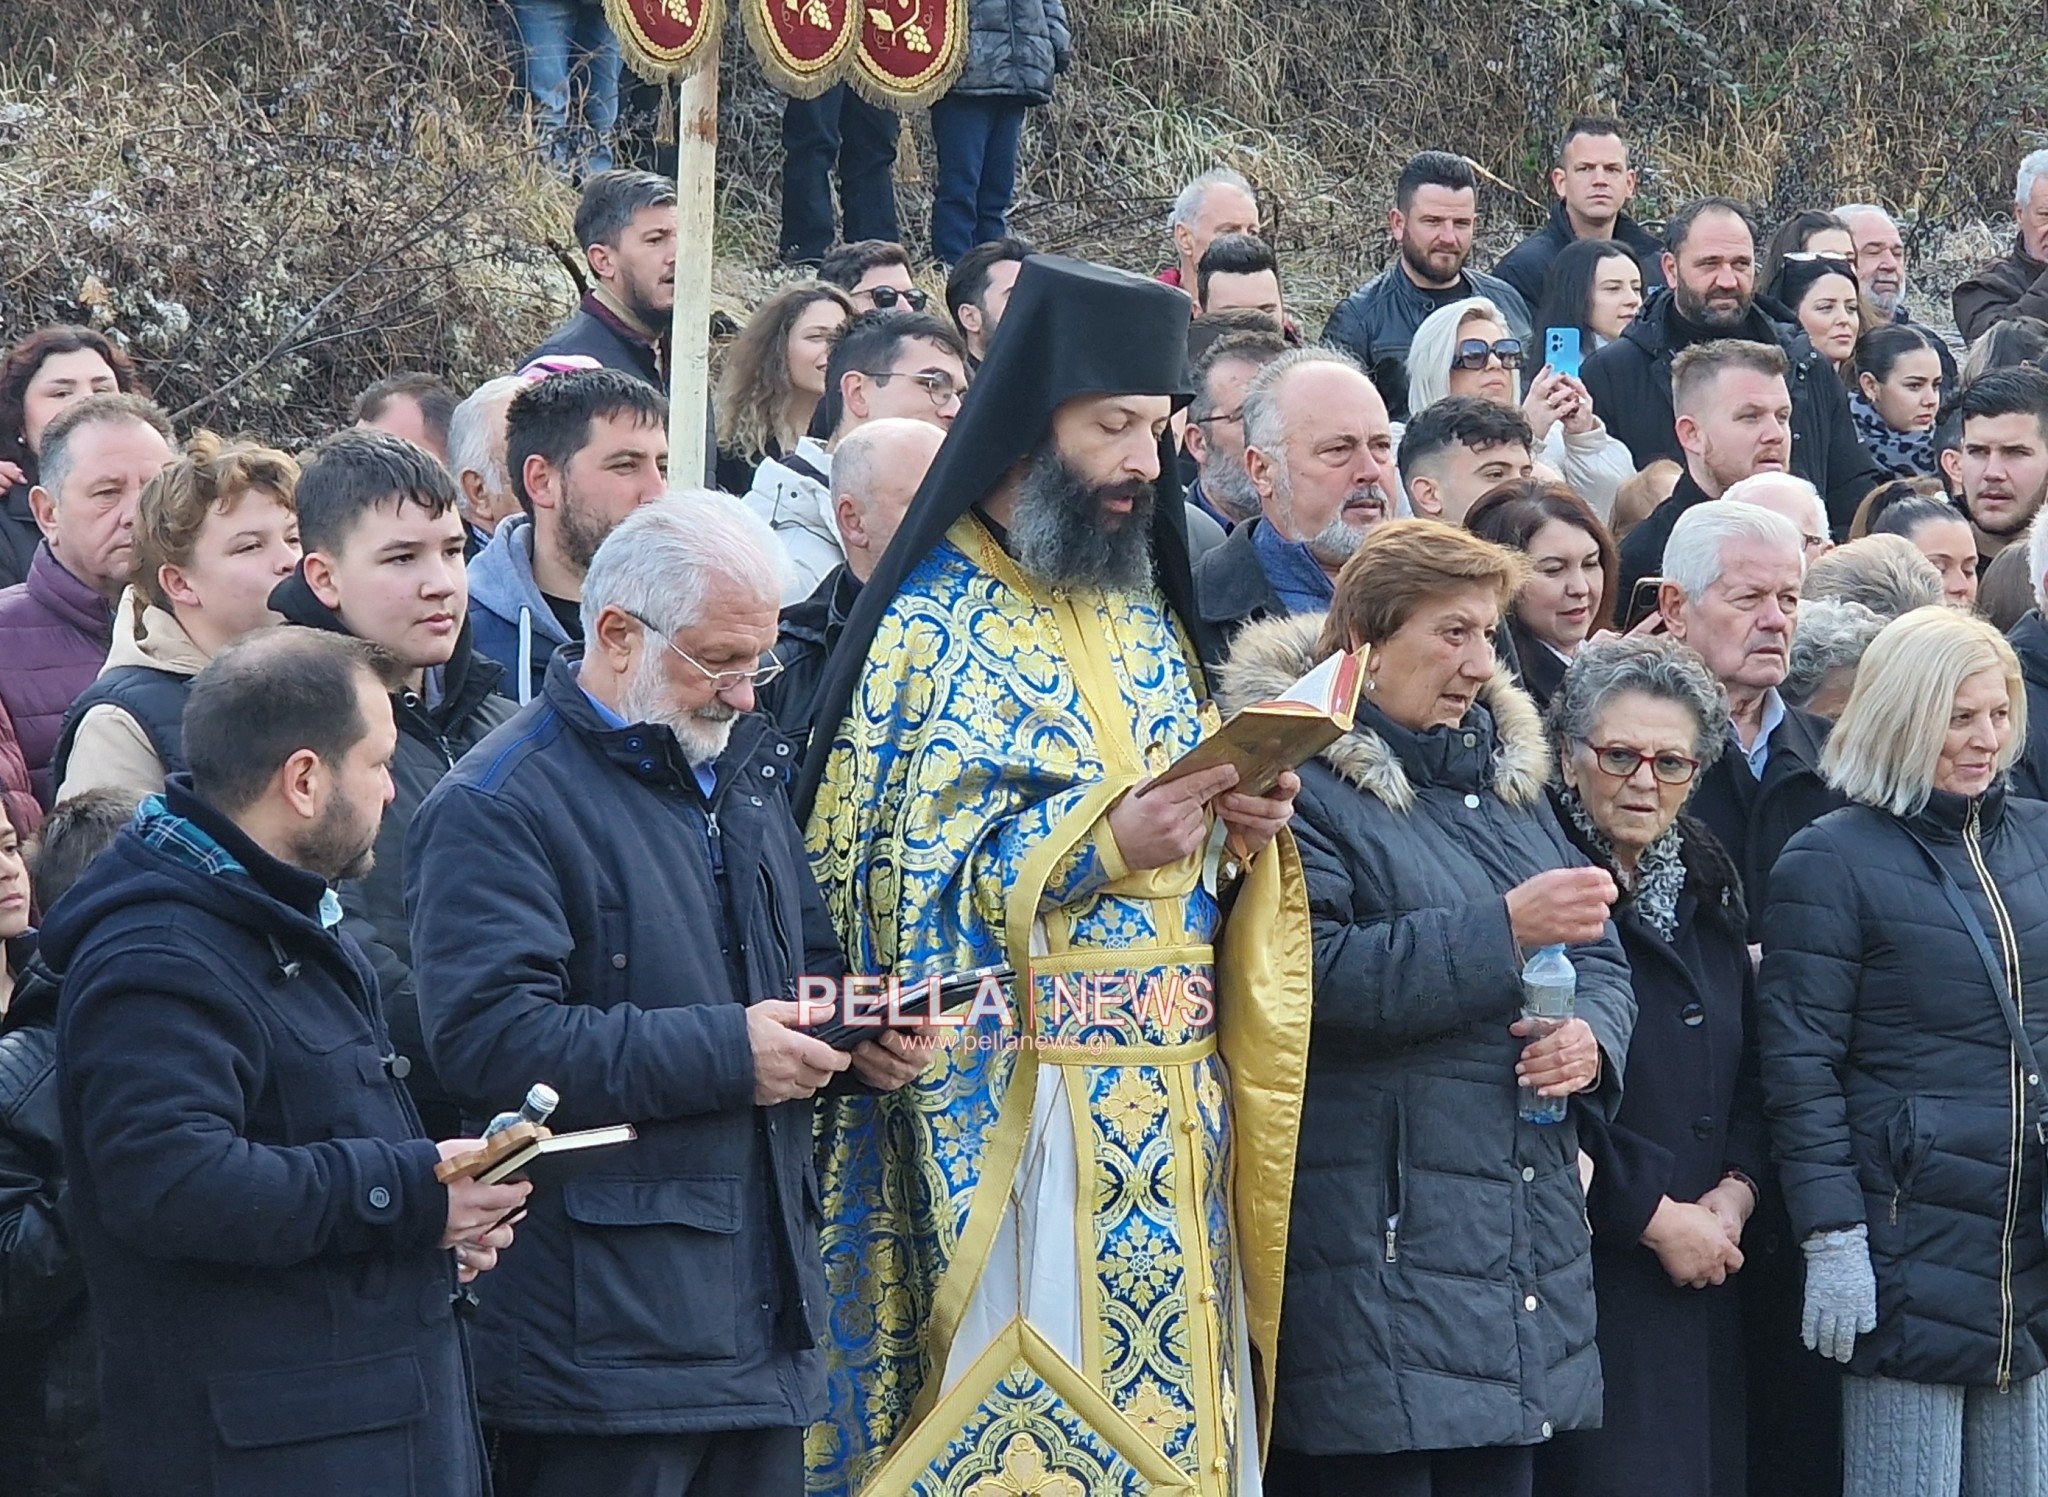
{"x": 1660, "y": 871}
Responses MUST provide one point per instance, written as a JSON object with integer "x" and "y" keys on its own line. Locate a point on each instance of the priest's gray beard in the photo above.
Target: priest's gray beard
{"x": 1063, "y": 534}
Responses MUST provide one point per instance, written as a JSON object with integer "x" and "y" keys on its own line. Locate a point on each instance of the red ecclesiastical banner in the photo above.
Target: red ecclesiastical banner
{"x": 910, "y": 51}
{"x": 900, "y": 54}
{"x": 663, "y": 39}
{"x": 802, "y": 44}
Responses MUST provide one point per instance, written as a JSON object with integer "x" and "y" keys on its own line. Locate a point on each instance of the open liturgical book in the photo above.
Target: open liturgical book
{"x": 1267, "y": 739}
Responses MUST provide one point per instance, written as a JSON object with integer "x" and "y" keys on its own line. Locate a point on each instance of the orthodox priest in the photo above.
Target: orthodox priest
{"x": 1056, "y": 1259}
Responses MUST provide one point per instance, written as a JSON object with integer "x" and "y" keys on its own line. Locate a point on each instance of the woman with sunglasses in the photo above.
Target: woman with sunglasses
{"x": 1633, "y": 723}
{"x": 1465, "y": 349}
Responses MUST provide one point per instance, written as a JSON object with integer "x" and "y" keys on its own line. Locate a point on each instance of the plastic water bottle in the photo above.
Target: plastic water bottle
{"x": 1550, "y": 996}
{"x": 539, "y": 1106}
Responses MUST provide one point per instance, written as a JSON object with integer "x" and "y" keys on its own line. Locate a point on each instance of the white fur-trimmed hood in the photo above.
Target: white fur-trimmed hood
{"x": 1269, "y": 656}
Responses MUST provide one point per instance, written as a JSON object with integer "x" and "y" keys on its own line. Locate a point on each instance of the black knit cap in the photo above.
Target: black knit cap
{"x": 1072, "y": 329}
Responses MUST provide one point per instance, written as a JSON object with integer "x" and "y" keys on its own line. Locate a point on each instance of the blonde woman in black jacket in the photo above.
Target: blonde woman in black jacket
{"x": 1904, "y": 1000}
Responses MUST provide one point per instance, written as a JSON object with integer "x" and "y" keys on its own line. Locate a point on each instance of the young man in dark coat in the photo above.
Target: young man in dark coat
{"x": 1711, "y": 269}
{"x": 384, "y": 562}
{"x": 266, "y": 1244}
{"x": 649, "y": 911}
{"x": 1435, "y": 215}
{"x": 1593, "y": 182}
{"x": 626, "y": 224}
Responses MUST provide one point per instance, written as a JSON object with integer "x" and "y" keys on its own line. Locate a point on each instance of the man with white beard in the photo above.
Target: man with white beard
{"x": 1319, "y": 453}
{"x": 648, "y": 911}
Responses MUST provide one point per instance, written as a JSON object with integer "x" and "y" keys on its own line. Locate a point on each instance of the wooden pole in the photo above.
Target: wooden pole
{"x": 689, "y": 345}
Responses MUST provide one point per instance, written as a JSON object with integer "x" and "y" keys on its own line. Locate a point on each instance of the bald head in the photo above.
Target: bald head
{"x": 876, "y": 471}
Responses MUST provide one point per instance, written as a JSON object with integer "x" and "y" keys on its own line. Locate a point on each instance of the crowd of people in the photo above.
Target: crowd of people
{"x": 350, "y": 792}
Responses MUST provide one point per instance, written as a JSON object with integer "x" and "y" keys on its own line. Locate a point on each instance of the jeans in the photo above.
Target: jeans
{"x": 977, "y": 142}
{"x": 838, "y": 127}
{"x": 564, "y": 42}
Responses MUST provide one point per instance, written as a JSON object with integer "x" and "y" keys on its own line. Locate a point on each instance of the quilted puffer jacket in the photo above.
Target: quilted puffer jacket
{"x": 1889, "y": 1075}
{"x": 1439, "y": 1263}
{"x": 1014, "y": 47}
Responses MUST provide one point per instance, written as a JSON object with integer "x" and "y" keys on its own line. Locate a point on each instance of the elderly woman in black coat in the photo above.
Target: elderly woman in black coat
{"x": 1439, "y": 1316}
{"x": 1633, "y": 723}
{"x": 1903, "y": 1006}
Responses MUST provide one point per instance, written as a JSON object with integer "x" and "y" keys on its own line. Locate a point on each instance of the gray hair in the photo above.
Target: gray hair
{"x": 1849, "y": 210}
{"x": 2033, "y": 167}
{"x": 1833, "y": 634}
{"x": 1655, "y": 665}
{"x": 1885, "y": 573}
{"x": 60, "y": 437}
{"x": 479, "y": 418}
{"x": 1693, "y": 553}
{"x": 1751, "y": 490}
{"x": 656, "y": 563}
{"x": 1262, "y": 423}
{"x": 1887, "y": 743}
{"x": 1430, "y": 350}
{"x": 1187, "y": 205}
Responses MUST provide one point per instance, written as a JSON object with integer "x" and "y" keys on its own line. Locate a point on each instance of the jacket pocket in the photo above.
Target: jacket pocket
{"x": 654, "y": 1269}
{"x": 344, "y": 1426}
{"x": 1908, "y": 1137}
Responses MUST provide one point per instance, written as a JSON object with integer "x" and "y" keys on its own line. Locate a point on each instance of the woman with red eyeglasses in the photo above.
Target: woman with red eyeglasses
{"x": 1633, "y": 723}
{"x": 1466, "y": 349}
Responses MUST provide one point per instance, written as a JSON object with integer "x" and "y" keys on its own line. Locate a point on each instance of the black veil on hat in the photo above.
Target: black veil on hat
{"x": 1071, "y": 329}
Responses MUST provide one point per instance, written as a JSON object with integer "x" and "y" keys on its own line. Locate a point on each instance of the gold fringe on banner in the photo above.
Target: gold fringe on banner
{"x": 803, "y": 45}
{"x": 910, "y": 51}
{"x": 662, "y": 40}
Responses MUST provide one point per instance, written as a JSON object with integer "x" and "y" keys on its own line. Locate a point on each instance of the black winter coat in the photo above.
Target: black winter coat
{"x": 430, "y": 741}
{"x": 1641, "y": 553}
{"x": 593, "y": 331}
{"x": 1630, "y": 382}
{"x": 1671, "y": 1357}
{"x": 675, "y": 1286}
{"x": 2016, "y": 286}
{"x": 1439, "y": 1273}
{"x": 1894, "y": 1095}
{"x": 1527, "y": 265}
{"x": 19, "y": 535}
{"x": 1754, "y": 819}
{"x": 810, "y": 628}
{"x": 250, "y": 1193}
{"x": 1231, "y": 586}
{"x": 49, "y": 1393}
{"x": 1014, "y": 47}
{"x": 2029, "y": 641}
{"x": 1376, "y": 323}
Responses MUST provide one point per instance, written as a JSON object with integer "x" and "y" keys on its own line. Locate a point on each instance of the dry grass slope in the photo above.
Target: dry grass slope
{"x": 274, "y": 204}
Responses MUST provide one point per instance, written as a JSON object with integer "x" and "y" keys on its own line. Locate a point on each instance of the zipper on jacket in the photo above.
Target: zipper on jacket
{"x": 1396, "y": 1171}
{"x": 2015, "y": 1095}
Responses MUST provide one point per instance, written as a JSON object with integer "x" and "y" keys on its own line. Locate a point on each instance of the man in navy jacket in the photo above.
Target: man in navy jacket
{"x": 266, "y": 1245}
{"x": 649, "y": 911}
